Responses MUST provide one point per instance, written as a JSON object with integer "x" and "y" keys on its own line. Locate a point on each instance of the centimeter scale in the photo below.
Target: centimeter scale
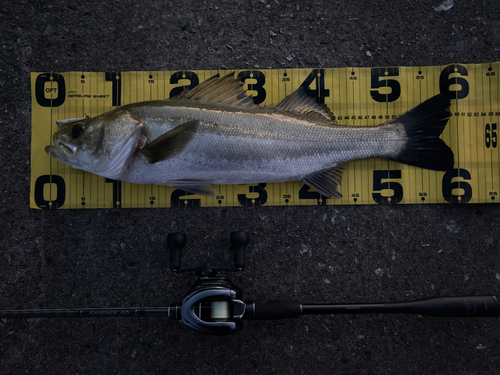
{"x": 356, "y": 97}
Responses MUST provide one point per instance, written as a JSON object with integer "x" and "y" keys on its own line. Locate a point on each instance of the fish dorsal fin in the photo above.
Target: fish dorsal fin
{"x": 299, "y": 101}
{"x": 326, "y": 181}
{"x": 171, "y": 143}
{"x": 225, "y": 90}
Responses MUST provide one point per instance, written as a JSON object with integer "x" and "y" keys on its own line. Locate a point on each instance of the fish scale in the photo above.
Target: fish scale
{"x": 272, "y": 146}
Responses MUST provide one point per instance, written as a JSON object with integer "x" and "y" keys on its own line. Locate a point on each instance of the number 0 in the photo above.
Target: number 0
{"x": 60, "y": 186}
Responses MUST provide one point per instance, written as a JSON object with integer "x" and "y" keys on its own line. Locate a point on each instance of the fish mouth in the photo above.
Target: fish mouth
{"x": 54, "y": 152}
{"x": 60, "y": 151}
{"x": 66, "y": 148}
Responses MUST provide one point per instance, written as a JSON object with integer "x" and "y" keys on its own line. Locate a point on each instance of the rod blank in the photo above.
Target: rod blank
{"x": 172, "y": 312}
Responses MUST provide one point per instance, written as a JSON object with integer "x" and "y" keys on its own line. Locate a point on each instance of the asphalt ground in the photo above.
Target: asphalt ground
{"x": 117, "y": 258}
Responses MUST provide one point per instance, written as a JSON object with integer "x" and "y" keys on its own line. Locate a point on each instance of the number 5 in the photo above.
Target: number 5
{"x": 378, "y": 186}
{"x": 377, "y": 83}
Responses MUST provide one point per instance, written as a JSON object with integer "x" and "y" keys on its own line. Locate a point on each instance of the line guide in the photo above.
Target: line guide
{"x": 356, "y": 97}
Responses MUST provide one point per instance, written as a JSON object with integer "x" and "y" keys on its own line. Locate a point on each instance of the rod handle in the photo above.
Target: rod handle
{"x": 472, "y": 306}
{"x": 267, "y": 310}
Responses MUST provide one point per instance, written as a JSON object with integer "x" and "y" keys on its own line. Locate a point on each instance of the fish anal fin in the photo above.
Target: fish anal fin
{"x": 326, "y": 181}
{"x": 300, "y": 102}
{"x": 171, "y": 143}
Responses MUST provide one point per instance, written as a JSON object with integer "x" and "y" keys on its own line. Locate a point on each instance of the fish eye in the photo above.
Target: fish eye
{"x": 76, "y": 131}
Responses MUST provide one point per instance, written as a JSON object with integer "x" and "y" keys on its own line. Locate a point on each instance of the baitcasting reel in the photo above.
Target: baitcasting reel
{"x": 213, "y": 304}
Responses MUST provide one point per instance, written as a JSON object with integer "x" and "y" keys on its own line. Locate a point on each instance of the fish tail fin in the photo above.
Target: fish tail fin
{"x": 423, "y": 125}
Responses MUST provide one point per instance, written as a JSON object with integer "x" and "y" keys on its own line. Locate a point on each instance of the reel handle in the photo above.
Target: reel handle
{"x": 239, "y": 241}
{"x": 176, "y": 242}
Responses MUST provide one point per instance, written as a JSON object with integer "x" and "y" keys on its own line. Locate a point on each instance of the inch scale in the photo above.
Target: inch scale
{"x": 356, "y": 97}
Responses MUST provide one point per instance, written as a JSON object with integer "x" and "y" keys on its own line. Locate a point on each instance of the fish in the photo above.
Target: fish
{"x": 213, "y": 134}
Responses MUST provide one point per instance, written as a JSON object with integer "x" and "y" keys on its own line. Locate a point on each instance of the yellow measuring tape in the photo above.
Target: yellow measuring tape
{"x": 356, "y": 97}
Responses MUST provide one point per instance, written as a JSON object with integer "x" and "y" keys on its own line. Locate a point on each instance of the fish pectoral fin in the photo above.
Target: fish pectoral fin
{"x": 171, "y": 143}
{"x": 194, "y": 187}
{"x": 299, "y": 101}
{"x": 326, "y": 181}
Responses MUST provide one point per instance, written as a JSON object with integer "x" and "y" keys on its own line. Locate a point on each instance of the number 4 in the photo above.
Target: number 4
{"x": 320, "y": 93}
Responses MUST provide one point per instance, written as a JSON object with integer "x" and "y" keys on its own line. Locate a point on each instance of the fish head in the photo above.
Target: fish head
{"x": 102, "y": 145}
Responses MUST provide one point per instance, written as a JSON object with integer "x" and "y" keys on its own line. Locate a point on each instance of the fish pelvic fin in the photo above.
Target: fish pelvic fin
{"x": 225, "y": 90}
{"x": 326, "y": 182}
{"x": 171, "y": 143}
{"x": 197, "y": 187}
{"x": 301, "y": 102}
{"x": 423, "y": 126}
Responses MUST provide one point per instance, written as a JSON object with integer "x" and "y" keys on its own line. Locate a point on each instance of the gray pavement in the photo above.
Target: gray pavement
{"x": 107, "y": 258}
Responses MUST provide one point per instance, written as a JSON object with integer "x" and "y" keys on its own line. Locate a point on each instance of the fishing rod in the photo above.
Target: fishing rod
{"x": 215, "y": 305}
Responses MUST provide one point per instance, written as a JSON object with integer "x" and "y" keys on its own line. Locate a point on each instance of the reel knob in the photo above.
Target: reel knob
{"x": 175, "y": 241}
{"x": 239, "y": 241}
